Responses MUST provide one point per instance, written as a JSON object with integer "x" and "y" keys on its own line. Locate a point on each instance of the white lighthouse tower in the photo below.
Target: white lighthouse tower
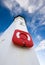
{"x": 11, "y": 54}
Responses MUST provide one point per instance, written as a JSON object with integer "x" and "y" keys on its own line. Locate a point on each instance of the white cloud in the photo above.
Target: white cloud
{"x": 23, "y": 3}
{"x": 8, "y": 3}
{"x": 31, "y": 9}
{"x": 43, "y": 23}
{"x": 12, "y": 5}
{"x": 39, "y": 37}
{"x": 1, "y": 34}
{"x": 37, "y": 21}
{"x": 28, "y": 5}
{"x": 41, "y": 46}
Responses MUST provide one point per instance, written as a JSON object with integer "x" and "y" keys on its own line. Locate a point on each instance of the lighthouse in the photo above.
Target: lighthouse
{"x": 16, "y": 45}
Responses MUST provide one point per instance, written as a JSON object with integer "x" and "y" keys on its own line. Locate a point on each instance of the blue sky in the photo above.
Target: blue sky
{"x": 5, "y": 18}
{"x": 34, "y": 13}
